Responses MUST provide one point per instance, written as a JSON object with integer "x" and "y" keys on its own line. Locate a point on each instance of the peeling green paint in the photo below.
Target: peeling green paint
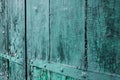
{"x": 82, "y": 35}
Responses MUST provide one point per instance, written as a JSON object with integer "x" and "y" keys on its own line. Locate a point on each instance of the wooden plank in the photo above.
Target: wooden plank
{"x": 103, "y": 37}
{"x": 3, "y": 41}
{"x": 2, "y": 26}
{"x": 16, "y": 28}
{"x": 38, "y": 29}
{"x": 37, "y": 35}
{"x": 15, "y": 22}
{"x": 67, "y": 32}
{"x": 43, "y": 74}
{"x": 57, "y": 68}
{"x": 40, "y": 74}
{"x": 17, "y": 72}
{"x": 55, "y": 76}
{"x": 70, "y": 71}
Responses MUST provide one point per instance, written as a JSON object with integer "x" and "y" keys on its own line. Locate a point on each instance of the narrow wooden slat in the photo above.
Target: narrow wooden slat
{"x": 3, "y": 40}
{"x": 37, "y": 28}
{"x": 15, "y": 36}
{"x": 37, "y": 35}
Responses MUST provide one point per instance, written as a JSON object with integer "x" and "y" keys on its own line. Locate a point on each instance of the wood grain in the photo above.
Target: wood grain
{"x": 103, "y": 36}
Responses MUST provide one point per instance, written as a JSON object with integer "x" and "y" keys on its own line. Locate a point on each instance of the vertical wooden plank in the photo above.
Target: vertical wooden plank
{"x": 16, "y": 72}
{"x": 38, "y": 30}
{"x": 40, "y": 74}
{"x": 2, "y": 41}
{"x": 67, "y": 31}
{"x": 55, "y": 76}
{"x": 16, "y": 38}
{"x": 38, "y": 35}
{"x": 3, "y": 38}
{"x": 16, "y": 29}
{"x": 103, "y": 37}
{"x": 2, "y": 26}
{"x": 66, "y": 34}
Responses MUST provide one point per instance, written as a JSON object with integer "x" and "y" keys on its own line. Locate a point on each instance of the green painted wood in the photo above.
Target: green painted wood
{"x": 62, "y": 69}
{"x": 37, "y": 35}
{"x": 56, "y": 33}
{"x": 3, "y": 41}
{"x": 40, "y": 74}
{"x": 16, "y": 27}
{"x": 67, "y": 32}
{"x": 15, "y": 36}
{"x": 17, "y": 71}
{"x": 38, "y": 29}
{"x": 43, "y": 74}
{"x": 2, "y": 26}
{"x": 55, "y": 76}
{"x": 4, "y": 69}
{"x": 103, "y": 37}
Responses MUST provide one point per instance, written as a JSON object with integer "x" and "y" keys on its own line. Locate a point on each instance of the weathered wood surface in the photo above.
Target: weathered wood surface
{"x": 37, "y": 35}
{"x": 84, "y": 34}
{"x": 3, "y": 41}
{"x": 56, "y": 32}
{"x": 38, "y": 29}
{"x": 12, "y": 37}
{"x": 53, "y": 29}
{"x": 67, "y": 32}
{"x": 2, "y": 26}
{"x": 103, "y": 22}
{"x": 16, "y": 37}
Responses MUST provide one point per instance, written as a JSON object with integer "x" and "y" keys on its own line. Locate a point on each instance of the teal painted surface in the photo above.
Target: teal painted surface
{"x": 3, "y": 40}
{"x": 16, "y": 28}
{"x": 103, "y": 36}
{"x": 37, "y": 36}
{"x": 64, "y": 35}
{"x": 49, "y": 34}
{"x": 67, "y": 32}
{"x": 38, "y": 30}
{"x": 12, "y": 38}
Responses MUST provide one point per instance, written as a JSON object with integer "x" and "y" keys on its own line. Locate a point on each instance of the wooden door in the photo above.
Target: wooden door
{"x": 59, "y": 40}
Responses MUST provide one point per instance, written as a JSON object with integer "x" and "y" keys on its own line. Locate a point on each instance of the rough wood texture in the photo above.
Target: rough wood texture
{"x": 38, "y": 29}
{"x": 2, "y": 25}
{"x": 67, "y": 32}
{"x": 3, "y": 41}
{"x": 12, "y": 37}
{"x": 79, "y": 34}
{"x": 16, "y": 37}
{"x": 103, "y": 36}
{"x": 37, "y": 35}
{"x": 40, "y": 74}
{"x": 16, "y": 27}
